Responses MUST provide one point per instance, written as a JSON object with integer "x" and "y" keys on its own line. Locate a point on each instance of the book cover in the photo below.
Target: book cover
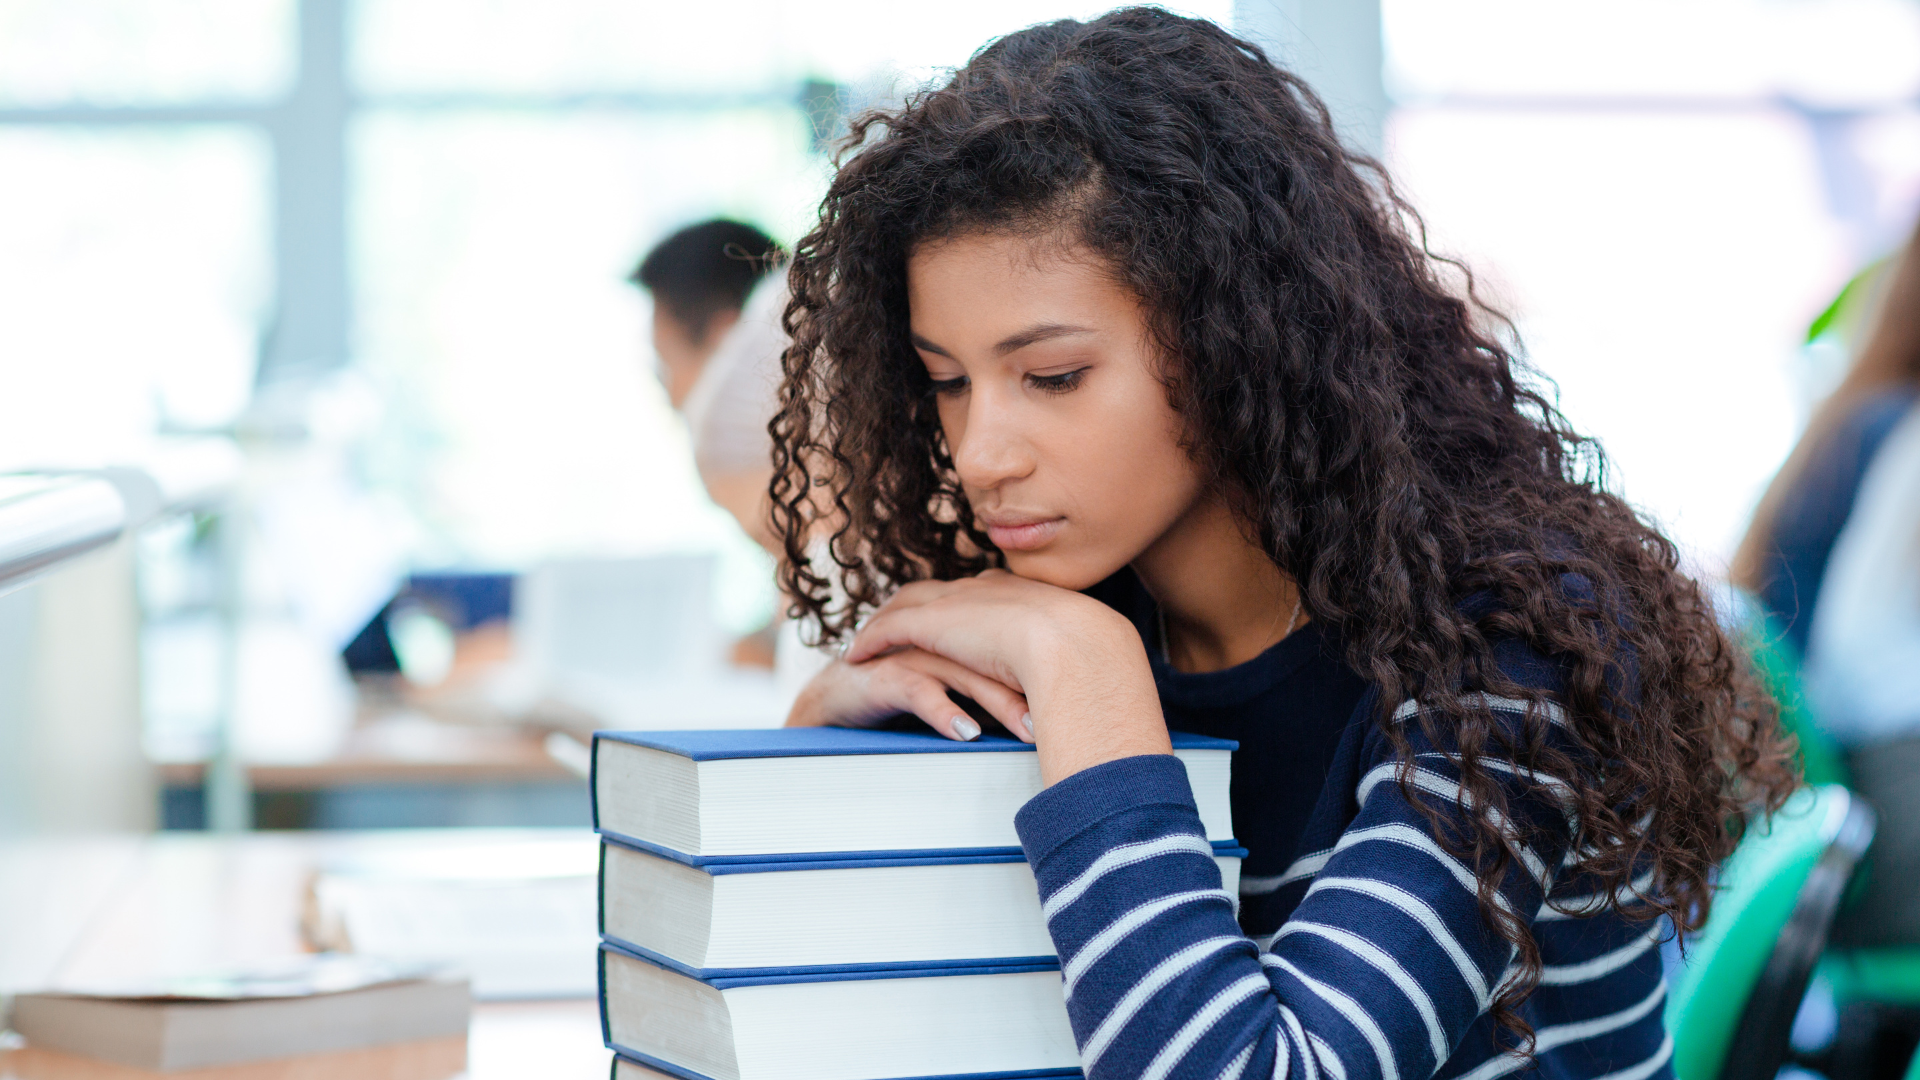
{"x": 658, "y": 1065}
{"x": 990, "y": 926}
{"x": 836, "y": 742}
{"x": 714, "y": 802}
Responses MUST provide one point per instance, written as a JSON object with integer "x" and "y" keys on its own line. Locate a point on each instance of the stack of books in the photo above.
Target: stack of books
{"x": 828, "y": 904}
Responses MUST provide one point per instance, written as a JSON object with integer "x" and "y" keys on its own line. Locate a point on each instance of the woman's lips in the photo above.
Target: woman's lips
{"x": 1024, "y": 537}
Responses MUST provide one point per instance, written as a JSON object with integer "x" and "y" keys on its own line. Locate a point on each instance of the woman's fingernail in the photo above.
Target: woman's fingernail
{"x": 964, "y": 729}
{"x": 1026, "y": 721}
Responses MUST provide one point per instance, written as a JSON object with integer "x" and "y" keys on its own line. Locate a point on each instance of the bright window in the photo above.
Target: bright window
{"x": 145, "y": 52}
{"x": 133, "y": 276}
{"x": 1663, "y": 195}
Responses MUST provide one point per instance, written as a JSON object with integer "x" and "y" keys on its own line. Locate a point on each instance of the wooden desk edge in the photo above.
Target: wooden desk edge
{"x": 350, "y": 772}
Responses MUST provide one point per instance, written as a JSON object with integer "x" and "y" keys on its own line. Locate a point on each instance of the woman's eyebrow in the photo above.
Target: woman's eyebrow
{"x": 1033, "y": 335}
{"x": 927, "y": 346}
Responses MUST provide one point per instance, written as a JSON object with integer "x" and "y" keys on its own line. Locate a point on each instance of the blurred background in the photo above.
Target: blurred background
{"x": 363, "y": 266}
{"x": 317, "y": 333}
{"x": 376, "y": 254}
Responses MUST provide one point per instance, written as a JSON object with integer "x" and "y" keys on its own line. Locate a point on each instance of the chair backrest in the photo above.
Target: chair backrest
{"x": 1732, "y": 1006}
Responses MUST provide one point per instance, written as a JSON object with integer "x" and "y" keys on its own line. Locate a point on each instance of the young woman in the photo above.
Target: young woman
{"x": 1130, "y": 404}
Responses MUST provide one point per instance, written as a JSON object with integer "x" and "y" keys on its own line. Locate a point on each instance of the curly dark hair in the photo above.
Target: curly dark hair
{"x": 1366, "y": 417}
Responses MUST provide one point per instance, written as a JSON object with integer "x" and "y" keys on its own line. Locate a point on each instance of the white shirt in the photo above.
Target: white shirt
{"x": 738, "y": 391}
{"x": 1863, "y": 650}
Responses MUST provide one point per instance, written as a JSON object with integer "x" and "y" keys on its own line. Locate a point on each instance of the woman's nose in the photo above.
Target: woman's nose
{"x": 993, "y": 448}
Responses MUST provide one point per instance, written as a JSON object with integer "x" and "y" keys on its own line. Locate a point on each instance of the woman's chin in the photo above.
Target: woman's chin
{"x": 1059, "y": 569}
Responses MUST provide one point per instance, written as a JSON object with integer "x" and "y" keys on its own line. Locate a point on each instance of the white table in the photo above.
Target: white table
{"x": 75, "y": 911}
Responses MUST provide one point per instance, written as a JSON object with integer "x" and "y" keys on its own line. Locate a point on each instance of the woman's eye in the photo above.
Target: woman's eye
{"x": 948, "y": 386}
{"x": 1057, "y": 384}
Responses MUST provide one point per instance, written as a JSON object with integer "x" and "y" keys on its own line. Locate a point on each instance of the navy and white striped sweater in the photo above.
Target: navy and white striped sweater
{"x": 1366, "y": 958}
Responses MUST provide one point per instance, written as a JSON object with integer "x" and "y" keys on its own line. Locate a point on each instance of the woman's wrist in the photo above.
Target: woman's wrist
{"x": 1073, "y": 632}
{"x": 1092, "y": 694}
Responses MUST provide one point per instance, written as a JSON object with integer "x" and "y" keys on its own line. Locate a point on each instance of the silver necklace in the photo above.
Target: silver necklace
{"x": 1166, "y": 653}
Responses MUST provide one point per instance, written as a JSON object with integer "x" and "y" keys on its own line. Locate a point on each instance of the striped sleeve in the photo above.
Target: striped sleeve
{"x": 1379, "y": 973}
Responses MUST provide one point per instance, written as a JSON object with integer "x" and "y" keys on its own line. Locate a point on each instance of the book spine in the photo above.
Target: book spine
{"x": 600, "y": 893}
{"x": 606, "y": 1021}
{"x": 593, "y": 782}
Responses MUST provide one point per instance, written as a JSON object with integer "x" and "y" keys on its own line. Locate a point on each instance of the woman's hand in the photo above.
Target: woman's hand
{"x": 1079, "y": 666}
{"x": 908, "y": 681}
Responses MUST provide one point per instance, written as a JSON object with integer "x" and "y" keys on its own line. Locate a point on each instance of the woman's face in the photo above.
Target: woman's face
{"x": 1049, "y": 394}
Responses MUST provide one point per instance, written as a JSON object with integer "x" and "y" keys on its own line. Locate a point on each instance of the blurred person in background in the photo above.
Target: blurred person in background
{"x": 717, "y": 332}
{"x": 1783, "y": 558}
{"x": 717, "y": 307}
{"x": 1834, "y": 555}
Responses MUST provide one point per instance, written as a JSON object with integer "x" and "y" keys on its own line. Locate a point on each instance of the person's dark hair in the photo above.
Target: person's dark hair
{"x": 1386, "y": 446}
{"x": 705, "y": 269}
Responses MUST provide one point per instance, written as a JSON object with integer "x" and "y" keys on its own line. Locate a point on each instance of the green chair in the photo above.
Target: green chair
{"x": 1731, "y": 1009}
{"x": 1887, "y": 975}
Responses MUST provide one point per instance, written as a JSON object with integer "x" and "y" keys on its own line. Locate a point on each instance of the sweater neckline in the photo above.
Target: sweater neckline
{"x": 1233, "y": 685}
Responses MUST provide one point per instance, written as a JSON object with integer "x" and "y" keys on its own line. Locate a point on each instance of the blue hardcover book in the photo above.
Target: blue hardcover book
{"x": 919, "y": 1024}
{"x": 625, "y": 1068}
{"x": 805, "y": 914}
{"x": 697, "y": 796}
